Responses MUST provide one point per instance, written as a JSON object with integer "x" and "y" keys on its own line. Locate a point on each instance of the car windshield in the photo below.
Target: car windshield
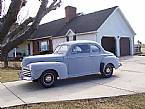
{"x": 61, "y": 49}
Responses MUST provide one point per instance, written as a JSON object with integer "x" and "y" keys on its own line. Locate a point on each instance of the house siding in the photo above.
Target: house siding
{"x": 58, "y": 41}
{"x": 89, "y": 36}
{"x": 117, "y": 27}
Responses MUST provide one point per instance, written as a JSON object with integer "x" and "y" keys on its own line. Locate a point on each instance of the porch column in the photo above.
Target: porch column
{"x": 117, "y": 46}
{"x": 131, "y": 45}
{"x": 99, "y": 37}
{"x": 15, "y": 52}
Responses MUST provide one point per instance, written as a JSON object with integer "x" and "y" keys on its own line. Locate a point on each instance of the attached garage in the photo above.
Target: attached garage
{"x": 124, "y": 46}
{"x": 109, "y": 44}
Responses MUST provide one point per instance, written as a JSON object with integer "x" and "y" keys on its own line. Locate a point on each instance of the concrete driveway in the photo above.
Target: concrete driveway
{"x": 128, "y": 79}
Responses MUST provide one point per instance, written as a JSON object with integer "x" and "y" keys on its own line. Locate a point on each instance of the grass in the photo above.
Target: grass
{"x": 136, "y": 101}
{"x": 8, "y": 75}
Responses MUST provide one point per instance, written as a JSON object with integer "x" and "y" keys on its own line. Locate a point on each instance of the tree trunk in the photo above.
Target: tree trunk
{"x": 5, "y": 59}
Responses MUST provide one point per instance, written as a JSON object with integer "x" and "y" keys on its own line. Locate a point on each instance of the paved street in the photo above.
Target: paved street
{"x": 128, "y": 79}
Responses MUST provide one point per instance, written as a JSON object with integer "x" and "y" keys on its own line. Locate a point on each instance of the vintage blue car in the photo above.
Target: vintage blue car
{"x": 70, "y": 59}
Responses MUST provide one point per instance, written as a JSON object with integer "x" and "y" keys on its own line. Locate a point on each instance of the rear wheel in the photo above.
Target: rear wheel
{"x": 47, "y": 79}
{"x": 107, "y": 71}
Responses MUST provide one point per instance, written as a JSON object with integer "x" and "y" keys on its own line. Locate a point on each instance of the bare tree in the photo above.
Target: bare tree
{"x": 11, "y": 37}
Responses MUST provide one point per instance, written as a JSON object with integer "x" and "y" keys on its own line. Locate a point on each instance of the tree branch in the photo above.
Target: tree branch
{"x": 43, "y": 10}
{"x": 21, "y": 28}
{"x": 10, "y": 17}
{"x": 53, "y": 6}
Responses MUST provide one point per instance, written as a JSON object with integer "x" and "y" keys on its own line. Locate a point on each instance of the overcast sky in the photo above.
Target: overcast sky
{"x": 132, "y": 9}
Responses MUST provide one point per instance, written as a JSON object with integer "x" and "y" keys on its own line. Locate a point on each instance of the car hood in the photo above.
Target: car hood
{"x": 42, "y": 58}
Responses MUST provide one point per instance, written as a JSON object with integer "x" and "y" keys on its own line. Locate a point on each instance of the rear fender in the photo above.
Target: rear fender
{"x": 111, "y": 60}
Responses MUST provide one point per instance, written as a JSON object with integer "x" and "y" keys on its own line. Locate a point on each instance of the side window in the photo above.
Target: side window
{"x": 81, "y": 49}
{"x": 95, "y": 48}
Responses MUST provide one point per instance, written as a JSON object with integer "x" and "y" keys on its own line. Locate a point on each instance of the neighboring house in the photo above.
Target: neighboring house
{"x": 108, "y": 27}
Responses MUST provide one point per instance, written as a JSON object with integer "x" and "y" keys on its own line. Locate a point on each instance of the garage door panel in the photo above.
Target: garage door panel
{"x": 109, "y": 44}
{"x": 124, "y": 46}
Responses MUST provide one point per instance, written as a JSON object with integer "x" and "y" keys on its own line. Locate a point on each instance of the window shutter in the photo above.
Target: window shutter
{"x": 67, "y": 38}
{"x": 74, "y": 37}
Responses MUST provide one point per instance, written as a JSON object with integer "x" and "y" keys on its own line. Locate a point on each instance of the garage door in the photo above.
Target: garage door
{"x": 109, "y": 44}
{"x": 124, "y": 46}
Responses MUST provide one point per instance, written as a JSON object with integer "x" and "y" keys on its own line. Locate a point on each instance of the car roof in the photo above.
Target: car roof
{"x": 80, "y": 42}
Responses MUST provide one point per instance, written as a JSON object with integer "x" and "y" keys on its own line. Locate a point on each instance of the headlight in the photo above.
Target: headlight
{"x": 21, "y": 64}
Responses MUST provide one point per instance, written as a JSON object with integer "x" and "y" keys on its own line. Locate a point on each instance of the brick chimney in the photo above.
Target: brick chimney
{"x": 70, "y": 13}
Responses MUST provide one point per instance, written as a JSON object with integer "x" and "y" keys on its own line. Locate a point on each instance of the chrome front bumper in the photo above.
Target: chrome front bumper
{"x": 120, "y": 64}
{"x": 25, "y": 74}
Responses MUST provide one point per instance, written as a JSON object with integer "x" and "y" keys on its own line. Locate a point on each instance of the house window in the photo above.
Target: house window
{"x": 44, "y": 46}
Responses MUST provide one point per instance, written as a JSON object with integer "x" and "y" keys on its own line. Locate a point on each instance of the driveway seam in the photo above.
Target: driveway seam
{"x": 118, "y": 88}
{"x": 132, "y": 71}
{"x": 13, "y": 93}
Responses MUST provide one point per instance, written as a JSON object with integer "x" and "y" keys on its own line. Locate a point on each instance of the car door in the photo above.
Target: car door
{"x": 79, "y": 60}
{"x": 95, "y": 57}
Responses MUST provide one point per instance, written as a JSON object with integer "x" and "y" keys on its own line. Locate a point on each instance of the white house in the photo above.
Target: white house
{"x": 109, "y": 27}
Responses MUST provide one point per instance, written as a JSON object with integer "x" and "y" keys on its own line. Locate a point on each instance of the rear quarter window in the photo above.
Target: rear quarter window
{"x": 95, "y": 48}
{"x": 83, "y": 48}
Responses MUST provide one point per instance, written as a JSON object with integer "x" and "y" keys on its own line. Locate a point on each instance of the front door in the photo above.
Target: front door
{"x": 95, "y": 57}
{"x": 79, "y": 60}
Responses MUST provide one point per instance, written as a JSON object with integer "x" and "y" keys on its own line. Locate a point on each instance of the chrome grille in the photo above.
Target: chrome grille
{"x": 26, "y": 72}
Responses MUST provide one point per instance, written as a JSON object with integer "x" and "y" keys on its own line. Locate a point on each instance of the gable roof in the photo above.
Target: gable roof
{"x": 80, "y": 24}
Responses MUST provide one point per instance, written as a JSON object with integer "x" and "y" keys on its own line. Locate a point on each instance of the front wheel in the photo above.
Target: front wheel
{"x": 47, "y": 79}
{"x": 107, "y": 71}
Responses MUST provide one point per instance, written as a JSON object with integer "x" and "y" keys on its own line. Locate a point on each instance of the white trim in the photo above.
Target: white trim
{"x": 53, "y": 37}
{"x": 15, "y": 52}
{"x": 86, "y": 33}
{"x": 128, "y": 24}
{"x": 117, "y": 41}
{"x": 106, "y": 20}
{"x": 40, "y": 38}
{"x": 68, "y": 32}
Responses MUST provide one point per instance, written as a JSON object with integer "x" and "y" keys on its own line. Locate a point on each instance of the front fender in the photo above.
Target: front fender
{"x": 38, "y": 68}
{"x": 111, "y": 59}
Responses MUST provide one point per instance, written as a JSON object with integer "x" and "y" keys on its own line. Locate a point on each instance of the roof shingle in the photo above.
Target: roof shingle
{"x": 80, "y": 24}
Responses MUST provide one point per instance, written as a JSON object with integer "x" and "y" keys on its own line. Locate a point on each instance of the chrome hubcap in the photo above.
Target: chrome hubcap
{"x": 48, "y": 78}
{"x": 108, "y": 70}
